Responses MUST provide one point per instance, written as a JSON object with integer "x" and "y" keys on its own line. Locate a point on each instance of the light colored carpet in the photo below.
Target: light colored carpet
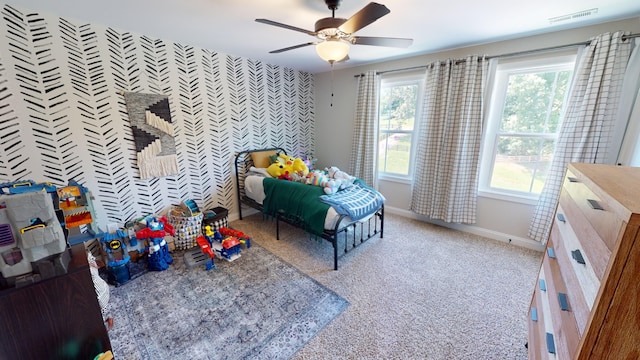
{"x": 421, "y": 292}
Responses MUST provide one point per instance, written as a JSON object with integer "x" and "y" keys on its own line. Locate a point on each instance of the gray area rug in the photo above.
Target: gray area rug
{"x": 257, "y": 307}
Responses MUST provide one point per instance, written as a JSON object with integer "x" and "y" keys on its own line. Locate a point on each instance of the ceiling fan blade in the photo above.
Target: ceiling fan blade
{"x": 274, "y": 23}
{"x": 291, "y": 48}
{"x": 367, "y": 15}
{"x": 382, "y": 41}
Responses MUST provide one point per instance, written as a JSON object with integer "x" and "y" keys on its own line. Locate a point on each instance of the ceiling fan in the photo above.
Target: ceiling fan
{"x": 335, "y": 34}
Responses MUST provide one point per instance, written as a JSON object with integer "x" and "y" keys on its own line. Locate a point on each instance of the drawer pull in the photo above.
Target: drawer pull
{"x": 577, "y": 256}
{"x": 561, "y": 217}
{"x": 534, "y": 314}
{"x": 542, "y": 285}
{"x": 594, "y": 204}
{"x": 564, "y": 303}
{"x": 551, "y": 253}
{"x": 551, "y": 346}
{"x": 572, "y": 179}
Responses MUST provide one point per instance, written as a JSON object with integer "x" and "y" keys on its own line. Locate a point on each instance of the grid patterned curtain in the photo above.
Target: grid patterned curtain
{"x": 446, "y": 174}
{"x": 589, "y": 120}
{"x": 364, "y": 152}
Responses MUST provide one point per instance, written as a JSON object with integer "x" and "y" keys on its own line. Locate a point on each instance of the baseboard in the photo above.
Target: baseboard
{"x": 491, "y": 234}
{"x": 246, "y": 211}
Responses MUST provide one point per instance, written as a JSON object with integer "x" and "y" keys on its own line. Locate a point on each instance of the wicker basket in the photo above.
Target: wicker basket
{"x": 220, "y": 219}
{"x": 187, "y": 228}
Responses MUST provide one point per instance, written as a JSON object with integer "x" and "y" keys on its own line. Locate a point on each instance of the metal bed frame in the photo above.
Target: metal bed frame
{"x": 362, "y": 230}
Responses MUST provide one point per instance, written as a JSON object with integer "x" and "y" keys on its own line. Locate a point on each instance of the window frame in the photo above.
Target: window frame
{"x": 501, "y": 70}
{"x": 399, "y": 80}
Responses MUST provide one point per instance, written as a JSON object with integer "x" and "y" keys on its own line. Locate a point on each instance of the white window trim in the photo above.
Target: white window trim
{"x": 499, "y": 73}
{"x": 407, "y": 78}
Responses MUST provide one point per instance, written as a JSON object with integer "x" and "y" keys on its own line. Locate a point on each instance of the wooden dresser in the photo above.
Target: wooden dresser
{"x": 56, "y": 318}
{"x": 586, "y": 303}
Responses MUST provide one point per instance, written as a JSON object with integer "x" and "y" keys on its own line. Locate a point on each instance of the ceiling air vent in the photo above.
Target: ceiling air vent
{"x": 575, "y": 16}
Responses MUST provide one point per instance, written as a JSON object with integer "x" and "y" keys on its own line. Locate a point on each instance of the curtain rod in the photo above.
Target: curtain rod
{"x": 584, "y": 43}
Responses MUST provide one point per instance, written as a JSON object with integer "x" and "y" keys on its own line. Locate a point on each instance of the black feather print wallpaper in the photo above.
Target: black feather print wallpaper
{"x": 63, "y": 113}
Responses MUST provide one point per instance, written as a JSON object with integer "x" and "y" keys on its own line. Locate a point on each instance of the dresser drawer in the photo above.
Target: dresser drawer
{"x": 580, "y": 281}
{"x": 565, "y": 328}
{"x": 595, "y": 209}
{"x": 592, "y": 245}
{"x": 537, "y": 333}
{"x": 541, "y": 322}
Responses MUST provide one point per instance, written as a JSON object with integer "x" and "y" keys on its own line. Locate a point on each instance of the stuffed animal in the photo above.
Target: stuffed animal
{"x": 286, "y": 160}
{"x": 318, "y": 178}
{"x": 310, "y": 161}
{"x": 285, "y": 176}
{"x": 276, "y": 169}
{"x": 293, "y": 165}
{"x": 340, "y": 176}
{"x": 300, "y": 167}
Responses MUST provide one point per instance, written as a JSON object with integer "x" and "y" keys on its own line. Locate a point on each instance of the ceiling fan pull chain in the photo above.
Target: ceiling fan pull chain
{"x": 331, "y": 62}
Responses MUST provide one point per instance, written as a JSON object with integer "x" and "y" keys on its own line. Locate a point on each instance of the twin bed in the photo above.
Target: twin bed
{"x": 300, "y": 205}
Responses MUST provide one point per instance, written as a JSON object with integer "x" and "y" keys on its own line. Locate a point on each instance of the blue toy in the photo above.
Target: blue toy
{"x": 159, "y": 257}
{"x": 118, "y": 258}
{"x": 24, "y": 186}
{"x": 227, "y": 248}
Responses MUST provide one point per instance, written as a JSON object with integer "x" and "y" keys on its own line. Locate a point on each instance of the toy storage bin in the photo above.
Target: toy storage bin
{"x": 220, "y": 219}
{"x": 187, "y": 228}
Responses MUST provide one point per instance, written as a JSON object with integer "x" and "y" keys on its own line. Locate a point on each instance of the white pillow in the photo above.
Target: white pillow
{"x": 261, "y": 171}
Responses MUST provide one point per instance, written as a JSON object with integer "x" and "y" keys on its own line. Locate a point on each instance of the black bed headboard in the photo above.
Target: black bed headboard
{"x": 243, "y": 162}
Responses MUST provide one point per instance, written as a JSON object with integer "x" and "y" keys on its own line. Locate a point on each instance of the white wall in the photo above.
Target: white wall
{"x": 499, "y": 219}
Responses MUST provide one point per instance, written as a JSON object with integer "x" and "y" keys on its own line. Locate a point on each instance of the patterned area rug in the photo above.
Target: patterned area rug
{"x": 256, "y": 307}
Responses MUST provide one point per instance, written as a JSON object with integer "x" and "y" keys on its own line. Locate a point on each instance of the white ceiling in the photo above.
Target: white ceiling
{"x": 228, "y": 26}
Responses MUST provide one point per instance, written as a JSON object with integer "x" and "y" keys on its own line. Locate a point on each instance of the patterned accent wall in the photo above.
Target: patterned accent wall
{"x": 63, "y": 114}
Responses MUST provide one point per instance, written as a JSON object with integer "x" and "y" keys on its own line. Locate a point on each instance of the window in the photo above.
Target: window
{"x": 525, "y": 115}
{"x": 398, "y": 118}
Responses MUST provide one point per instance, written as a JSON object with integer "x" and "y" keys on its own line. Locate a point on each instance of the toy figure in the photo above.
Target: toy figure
{"x": 227, "y": 248}
{"x": 159, "y": 256}
{"x": 205, "y": 246}
{"x": 118, "y": 258}
{"x": 242, "y": 237}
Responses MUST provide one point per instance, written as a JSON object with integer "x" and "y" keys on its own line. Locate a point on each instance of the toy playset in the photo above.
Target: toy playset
{"x": 118, "y": 258}
{"x": 75, "y": 202}
{"x": 217, "y": 240}
{"x": 32, "y": 241}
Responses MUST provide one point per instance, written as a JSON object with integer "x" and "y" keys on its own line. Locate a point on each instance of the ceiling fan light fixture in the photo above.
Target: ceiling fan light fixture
{"x": 332, "y": 50}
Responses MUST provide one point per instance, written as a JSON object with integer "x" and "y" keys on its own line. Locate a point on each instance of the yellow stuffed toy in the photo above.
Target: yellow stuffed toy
{"x": 288, "y": 166}
{"x": 276, "y": 169}
{"x": 300, "y": 167}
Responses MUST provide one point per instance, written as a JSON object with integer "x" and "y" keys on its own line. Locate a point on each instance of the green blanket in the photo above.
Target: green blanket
{"x": 296, "y": 199}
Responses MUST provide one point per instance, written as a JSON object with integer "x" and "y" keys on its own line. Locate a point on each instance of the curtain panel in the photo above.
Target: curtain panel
{"x": 364, "y": 152}
{"x": 445, "y": 185}
{"x": 589, "y": 119}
